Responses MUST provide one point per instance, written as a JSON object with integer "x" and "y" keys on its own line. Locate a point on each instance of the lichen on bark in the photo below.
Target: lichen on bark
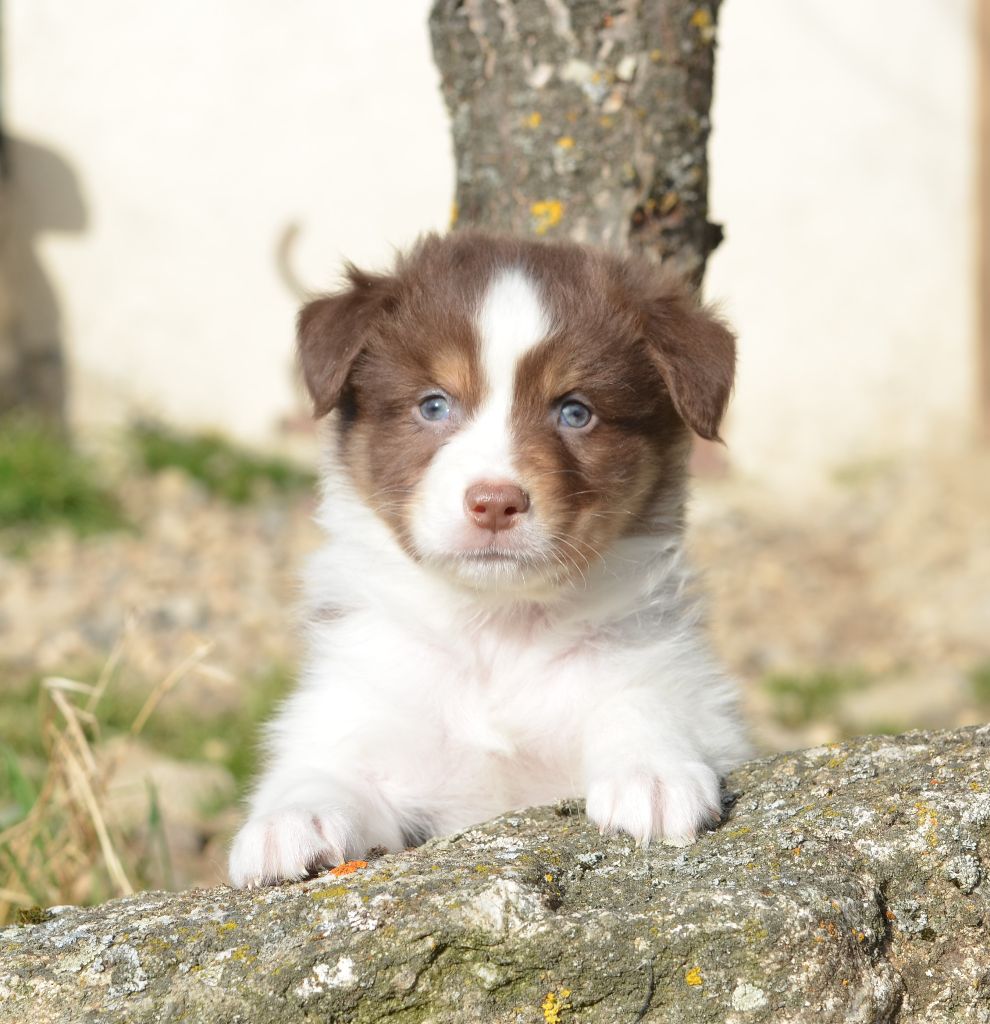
{"x": 583, "y": 119}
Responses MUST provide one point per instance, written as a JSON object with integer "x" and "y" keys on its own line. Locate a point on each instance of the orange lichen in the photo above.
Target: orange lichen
{"x": 348, "y": 868}
{"x": 547, "y": 213}
{"x": 554, "y": 1004}
{"x": 694, "y": 977}
{"x": 534, "y": 120}
{"x": 565, "y": 142}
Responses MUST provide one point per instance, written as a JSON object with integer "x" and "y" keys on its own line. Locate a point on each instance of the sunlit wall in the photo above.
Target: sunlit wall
{"x": 162, "y": 151}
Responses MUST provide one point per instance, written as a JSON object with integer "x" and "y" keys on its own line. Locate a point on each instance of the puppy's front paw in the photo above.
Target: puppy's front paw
{"x": 673, "y": 805}
{"x": 287, "y": 845}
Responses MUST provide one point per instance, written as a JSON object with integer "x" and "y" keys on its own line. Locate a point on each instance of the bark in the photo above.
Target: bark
{"x": 584, "y": 119}
{"x": 847, "y": 883}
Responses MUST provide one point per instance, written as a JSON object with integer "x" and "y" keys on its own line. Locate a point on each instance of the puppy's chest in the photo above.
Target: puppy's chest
{"x": 516, "y": 694}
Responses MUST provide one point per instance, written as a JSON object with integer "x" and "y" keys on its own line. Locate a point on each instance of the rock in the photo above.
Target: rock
{"x": 845, "y": 884}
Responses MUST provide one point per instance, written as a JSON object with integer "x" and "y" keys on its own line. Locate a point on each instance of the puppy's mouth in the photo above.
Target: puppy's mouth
{"x": 493, "y": 559}
{"x": 492, "y": 554}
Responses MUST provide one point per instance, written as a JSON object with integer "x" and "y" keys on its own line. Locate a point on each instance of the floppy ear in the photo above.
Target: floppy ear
{"x": 695, "y": 353}
{"x": 332, "y": 330}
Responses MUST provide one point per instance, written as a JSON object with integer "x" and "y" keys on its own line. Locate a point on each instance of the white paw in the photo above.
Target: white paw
{"x": 287, "y": 845}
{"x": 672, "y": 806}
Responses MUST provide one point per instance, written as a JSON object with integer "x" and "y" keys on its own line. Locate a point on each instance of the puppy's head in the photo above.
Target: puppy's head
{"x": 511, "y": 408}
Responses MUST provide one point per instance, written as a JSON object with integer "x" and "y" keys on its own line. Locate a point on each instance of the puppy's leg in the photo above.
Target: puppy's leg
{"x": 646, "y": 777}
{"x": 300, "y": 823}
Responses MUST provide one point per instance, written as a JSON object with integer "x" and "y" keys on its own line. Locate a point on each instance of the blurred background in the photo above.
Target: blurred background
{"x": 175, "y": 175}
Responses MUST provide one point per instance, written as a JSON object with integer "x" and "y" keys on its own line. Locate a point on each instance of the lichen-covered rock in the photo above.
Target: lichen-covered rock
{"x": 847, "y": 883}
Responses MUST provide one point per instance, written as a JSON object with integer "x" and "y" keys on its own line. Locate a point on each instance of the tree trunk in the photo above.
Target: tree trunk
{"x": 583, "y": 119}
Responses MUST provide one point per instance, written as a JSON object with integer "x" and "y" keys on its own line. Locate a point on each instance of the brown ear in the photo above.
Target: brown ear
{"x": 695, "y": 353}
{"x": 332, "y": 330}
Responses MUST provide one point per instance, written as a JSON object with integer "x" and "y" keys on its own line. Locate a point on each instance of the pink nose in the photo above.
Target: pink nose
{"x": 495, "y": 506}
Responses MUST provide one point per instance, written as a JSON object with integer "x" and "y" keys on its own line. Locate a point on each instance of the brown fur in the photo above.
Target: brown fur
{"x": 628, "y": 339}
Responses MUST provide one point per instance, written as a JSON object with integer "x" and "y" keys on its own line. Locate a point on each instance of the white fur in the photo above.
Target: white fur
{"x": 426, "y": 708}
{"x": 426, "y": 705}
{"x": 511, "y": 319}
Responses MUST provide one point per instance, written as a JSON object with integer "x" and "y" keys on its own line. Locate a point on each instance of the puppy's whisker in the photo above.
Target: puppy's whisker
{"x": 563, "y": 540}
{"x": 572, "y": 561}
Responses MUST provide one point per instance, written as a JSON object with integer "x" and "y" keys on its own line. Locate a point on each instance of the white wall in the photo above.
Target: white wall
{"x": 184, "y": 137}
{"x": 196, "y": 133}
{"x": 843, "y": 169}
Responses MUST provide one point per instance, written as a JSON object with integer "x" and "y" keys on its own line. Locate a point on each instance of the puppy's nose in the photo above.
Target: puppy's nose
{"x": 495, "y": 506}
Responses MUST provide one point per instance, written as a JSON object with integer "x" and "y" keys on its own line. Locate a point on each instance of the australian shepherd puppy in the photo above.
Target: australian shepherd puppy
{"x": 501, "y": 615}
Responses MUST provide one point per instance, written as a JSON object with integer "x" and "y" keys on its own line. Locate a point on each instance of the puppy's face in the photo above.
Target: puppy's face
{"x": 509, "y": 408}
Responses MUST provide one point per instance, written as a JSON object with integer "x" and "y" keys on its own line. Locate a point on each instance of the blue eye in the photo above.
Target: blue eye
{"x": 434, "y": 408}
{"x": 574, "y": 414}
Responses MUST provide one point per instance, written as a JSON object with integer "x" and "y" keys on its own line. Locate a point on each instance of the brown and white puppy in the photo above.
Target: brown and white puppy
{"x": 501, "y": 615}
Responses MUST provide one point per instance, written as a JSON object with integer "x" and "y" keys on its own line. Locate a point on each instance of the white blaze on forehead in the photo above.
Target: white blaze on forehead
{"x": 511, "y": 320}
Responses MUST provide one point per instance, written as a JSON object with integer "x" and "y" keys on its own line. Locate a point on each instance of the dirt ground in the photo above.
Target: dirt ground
{"x": 864, "y": 609}
{"x": 880, "y": 583}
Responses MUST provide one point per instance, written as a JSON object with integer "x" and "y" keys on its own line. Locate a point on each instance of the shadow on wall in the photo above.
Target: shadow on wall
{"x": 42, "y": 193}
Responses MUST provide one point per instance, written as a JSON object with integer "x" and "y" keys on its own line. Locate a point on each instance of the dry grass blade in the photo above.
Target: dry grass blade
{"x": 67, "y": 685}
{"x": 168, "y": 683}
{"x": 82, "y": 774}
{"x": 72, "y": 726}
{"x": 110, "y": 665}
{"x": 66, "y": 847}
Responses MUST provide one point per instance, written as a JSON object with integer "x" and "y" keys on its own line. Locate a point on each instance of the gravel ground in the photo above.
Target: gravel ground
{"x": 195, "y": 569}
{"x": 883, "y": 577}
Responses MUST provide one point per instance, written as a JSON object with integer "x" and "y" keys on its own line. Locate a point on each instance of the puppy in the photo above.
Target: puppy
{"x": 502, "y": 615}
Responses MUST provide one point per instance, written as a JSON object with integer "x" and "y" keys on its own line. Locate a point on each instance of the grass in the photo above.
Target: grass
{"x": 45, "y": 482}
{"x": 862, "y": 472}
{"x": 228, "y": 738}
{"x": 60, "y": 838}
{"x": 58, "y": 841}
{"x": 224, "y": 469}
{"x": 979, "y": 681}
{"x": 803, "y": 698}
